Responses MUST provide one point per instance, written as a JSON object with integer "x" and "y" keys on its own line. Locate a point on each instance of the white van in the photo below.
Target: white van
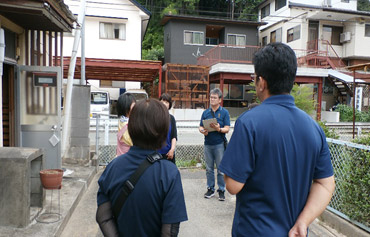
{"x": 139, "y": 94}
{"x": 100, "y": 103}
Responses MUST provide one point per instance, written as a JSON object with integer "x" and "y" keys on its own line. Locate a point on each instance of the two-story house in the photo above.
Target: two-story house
{"x": 333, "y": 26}
{"x": 188, "y": 38}
{"x": 114, "y": 30}
{"x": 324, "y": 34}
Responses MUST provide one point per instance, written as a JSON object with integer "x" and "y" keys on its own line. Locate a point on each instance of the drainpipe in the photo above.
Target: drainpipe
{"x": 2, "y": 58}
{"x": 83, "y": 72}
{"x": 71, "y": 71}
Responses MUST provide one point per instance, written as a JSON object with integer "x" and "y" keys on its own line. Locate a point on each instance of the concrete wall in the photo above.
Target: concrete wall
{"x": 79, "y": 149}
{"x": 177, "y": 52}
{"x": 20, "y": 185}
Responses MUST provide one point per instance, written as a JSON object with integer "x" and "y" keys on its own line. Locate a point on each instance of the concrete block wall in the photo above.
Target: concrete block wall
{"x": 20, "y": 185}
{"x": 79, "y": 149}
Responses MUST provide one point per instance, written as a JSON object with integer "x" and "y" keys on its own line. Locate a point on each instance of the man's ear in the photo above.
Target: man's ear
{"x": 263, "y": 84}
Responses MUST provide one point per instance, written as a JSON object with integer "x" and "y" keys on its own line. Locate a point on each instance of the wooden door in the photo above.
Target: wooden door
{"x": 8, "y": 106}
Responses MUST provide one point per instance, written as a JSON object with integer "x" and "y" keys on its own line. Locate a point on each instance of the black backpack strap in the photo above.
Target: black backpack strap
{"x": 129, "y": 184}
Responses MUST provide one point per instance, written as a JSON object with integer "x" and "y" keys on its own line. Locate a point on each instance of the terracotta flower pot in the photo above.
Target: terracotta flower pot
{"x": 51, "y": 178}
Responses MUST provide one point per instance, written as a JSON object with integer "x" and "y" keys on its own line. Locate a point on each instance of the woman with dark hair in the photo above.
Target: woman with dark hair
{"x": 125, "y": 103}
{"x": 156, "y": 205}
{"x": 168, "y": 150}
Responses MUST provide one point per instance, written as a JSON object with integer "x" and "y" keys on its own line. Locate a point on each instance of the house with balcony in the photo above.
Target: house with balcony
{"x": 324, "y": 34}
{"x": 332, "y": 27}
{"x": 188, "y": 38}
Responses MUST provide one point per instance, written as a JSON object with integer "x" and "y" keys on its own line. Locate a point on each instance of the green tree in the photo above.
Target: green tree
{"x": 303, "y": 97}
{"x": 363, "y": 5}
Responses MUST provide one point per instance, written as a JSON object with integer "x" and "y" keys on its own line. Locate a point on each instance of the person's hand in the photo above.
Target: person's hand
{"x": 216, "y": 126}
{"x": 204, "y": 131}
{"x": 298, "y": 230}
{"x": 170, "y": 154}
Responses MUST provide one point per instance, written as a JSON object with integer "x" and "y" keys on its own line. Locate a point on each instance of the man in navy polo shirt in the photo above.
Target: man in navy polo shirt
{"x": 214, "y": 143}
{"x": 277, "y": 162}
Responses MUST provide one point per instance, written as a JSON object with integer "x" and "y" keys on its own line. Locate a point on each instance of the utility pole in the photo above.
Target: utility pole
{"x": 232, "y": 9}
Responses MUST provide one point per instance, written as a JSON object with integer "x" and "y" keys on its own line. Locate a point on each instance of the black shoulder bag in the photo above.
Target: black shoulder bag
{"x": 224, "y": 136}
{"x": 129, "y": 184}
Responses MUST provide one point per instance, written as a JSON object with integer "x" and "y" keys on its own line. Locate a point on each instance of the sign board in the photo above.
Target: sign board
{"x": 358, "y": 100}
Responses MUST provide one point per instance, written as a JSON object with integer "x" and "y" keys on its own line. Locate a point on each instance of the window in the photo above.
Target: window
{"x": 112, "y": 31}
{"x": 294, "y": 33}
{"x": 264, "y": 41}
{"x": 332, "y": 34}
{"x": 367, "y": 30}
{"x": 265, "y": 11}
{"x": 346, "y": 1}
{"x": 234, "y": 39}
{"x": 276, "y": 36}
{"x": 211, "y": 41}
{"x": 279, "y": 4}
{"x": 194, "y": 37}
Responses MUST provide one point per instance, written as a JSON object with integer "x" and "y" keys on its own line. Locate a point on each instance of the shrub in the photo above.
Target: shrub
{"x": 329, "y": 132}
{"x": 356, "y": 192}
{"x": 346, "y": 114}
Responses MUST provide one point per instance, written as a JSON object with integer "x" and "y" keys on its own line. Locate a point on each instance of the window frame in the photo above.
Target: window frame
{"x": 263, "y": 9}
{"x": 264, "y": 41}
{"x": 209, "y": 38}
{"x": 192, "y": 38}
{"x": 334, "y": 33}
{"x": 281, "y": 6}
{"x": 367, "y": 27}
{"x": 295, "y": 35}
{"x": 236, "y": 35}
{"x": 113, "y": 24}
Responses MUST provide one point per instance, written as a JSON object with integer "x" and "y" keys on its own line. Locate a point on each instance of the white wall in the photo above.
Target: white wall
{"x": 112, "y": 11}
{"x": 352, "y": 5}
{"x": 360, "y": 41}
{"x": 120, "y": 11}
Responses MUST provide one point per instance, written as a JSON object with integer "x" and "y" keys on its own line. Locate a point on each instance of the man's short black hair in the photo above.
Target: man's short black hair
{"x": 124, "y": 104}
{"x": 149, "y": 123}
{"x": 277, "y": 64}
{"x": 166, "y": 97}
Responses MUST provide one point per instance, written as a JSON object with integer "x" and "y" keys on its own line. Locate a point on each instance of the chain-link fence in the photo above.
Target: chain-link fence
{"x": 352, "y": 192}
{"x": 347, "y": 157}
{"x": 103, "y": 137}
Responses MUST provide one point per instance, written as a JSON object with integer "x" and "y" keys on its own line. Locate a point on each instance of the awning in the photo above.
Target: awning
{"x": 115, "y": 69}
{"x": 343, "y": 77}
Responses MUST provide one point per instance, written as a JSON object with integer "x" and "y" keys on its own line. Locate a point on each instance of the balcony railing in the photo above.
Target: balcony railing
{"x": 228, "y": 54}
{"x": 318, "y": 54}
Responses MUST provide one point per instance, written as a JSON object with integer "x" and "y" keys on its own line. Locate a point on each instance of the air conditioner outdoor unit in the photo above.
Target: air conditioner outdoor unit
{"x": 345, "y": 37}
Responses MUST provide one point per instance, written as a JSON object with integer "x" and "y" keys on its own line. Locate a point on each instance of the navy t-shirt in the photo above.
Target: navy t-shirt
{"x": 277, "y": 150}
{"x": 157, "y": 199}
{"x": 223, "y": 118}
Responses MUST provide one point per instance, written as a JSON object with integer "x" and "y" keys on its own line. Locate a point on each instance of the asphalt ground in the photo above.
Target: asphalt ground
{"x": 207, "y": 217}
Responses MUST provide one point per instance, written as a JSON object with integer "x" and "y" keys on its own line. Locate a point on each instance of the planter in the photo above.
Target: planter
{"x": 51, "y": 178}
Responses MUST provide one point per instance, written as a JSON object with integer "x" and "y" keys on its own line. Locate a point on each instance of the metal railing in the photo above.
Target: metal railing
{"x": 225, "y": 53}
{"x": 319, "y": 53}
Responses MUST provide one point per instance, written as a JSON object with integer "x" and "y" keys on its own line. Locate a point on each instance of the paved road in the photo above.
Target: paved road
{"x": 207, "y": 217}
